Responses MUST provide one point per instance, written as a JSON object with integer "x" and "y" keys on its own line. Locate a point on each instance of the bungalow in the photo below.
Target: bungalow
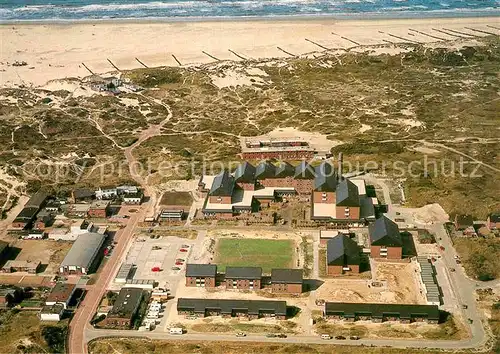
{"x": 99, "y": 209}
{"x": 52, "y": 312}
{"x": 82, "y": 195}
{"x": 385, "y": 239}
{"x": 133, "y": 198}
{"x": 61, "y": 293}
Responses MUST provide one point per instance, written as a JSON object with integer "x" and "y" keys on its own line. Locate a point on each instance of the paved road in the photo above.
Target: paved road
{"x": 442, "y": 344}
{"x": 83, "y": 315}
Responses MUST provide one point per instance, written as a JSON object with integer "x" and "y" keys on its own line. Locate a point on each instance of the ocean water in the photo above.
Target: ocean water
{"x": 72, "y": 10}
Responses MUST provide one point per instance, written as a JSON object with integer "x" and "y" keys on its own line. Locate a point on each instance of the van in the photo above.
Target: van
{"x": 326, "y": 336}
{"x": 175, "y": 331}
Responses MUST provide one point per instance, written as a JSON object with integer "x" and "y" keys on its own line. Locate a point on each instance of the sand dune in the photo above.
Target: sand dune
{"x": 57, "y": 50}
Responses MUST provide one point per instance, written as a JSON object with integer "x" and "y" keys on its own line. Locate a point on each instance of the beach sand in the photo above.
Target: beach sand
{"x": 55, "y": 51}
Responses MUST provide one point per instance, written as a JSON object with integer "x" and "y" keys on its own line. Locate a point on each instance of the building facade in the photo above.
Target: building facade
{"x": 385, "y": 239}
{"x": 243, "y": 278}
{"x": 201, "y": 275}
{"x": 287, "y": 281}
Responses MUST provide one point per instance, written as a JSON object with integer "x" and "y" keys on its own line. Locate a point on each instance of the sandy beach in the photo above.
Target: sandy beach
{"x": 55, "y": 51}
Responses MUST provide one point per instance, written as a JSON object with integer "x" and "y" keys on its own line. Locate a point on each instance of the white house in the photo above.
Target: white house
{"x": 33, "y": 235}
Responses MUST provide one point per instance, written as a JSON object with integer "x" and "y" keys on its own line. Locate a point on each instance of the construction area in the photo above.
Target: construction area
{"x": 391, "y": 283}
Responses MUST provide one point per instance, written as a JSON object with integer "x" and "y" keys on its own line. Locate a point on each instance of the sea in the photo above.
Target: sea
{"x": 93, "y": 10}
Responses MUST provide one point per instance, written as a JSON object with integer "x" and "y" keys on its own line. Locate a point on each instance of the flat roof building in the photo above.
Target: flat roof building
{"x": 82, "y": 254}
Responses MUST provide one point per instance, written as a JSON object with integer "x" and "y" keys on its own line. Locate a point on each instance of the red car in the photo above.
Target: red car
{"x": 183, "y": 250}
{"x": 155, "y": 269}
{"x": 178, "y": 263}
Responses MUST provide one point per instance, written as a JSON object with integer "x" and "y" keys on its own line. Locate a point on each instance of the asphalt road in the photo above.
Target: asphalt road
{"x": 441, "y": 344}
{"x": 84, "y": 313}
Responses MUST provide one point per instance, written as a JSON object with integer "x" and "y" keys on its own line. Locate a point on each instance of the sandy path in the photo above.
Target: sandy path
{"x": 57, "y": 50}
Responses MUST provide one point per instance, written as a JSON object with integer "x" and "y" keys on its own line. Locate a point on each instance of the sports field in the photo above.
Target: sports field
{"x": 263, "y": 253}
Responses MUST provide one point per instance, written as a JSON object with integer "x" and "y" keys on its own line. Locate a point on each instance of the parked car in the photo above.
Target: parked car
{"x": 178, "y": 263}
{"x": 270, "y": 335}
{"x": 282, "y": 335}
{"x": 185, "y": 246}
{"x": 326, "y": 336}
{"x": 452, "y": 269}
{"x": 353, "y": 337}
{"x": 175, "y": 268}
{"x": 464, "y": 307}
{"x": 155, "y": 269}
{"x": 470, "y": 320}
{"x": 340, "y": 337}
{"x": 240, "y": 334}
{"x": 183, "y": 250}
{"x": 180, "y": 260}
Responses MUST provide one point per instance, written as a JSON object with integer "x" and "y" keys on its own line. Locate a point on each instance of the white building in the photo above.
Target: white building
{"x": 106, "y": 193}
{"x": 52, "y": 312}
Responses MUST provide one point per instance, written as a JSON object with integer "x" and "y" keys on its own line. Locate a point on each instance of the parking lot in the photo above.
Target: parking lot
{"x": 159, "y": 254}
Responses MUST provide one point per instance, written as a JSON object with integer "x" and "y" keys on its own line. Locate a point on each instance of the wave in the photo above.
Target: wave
{"x": 81, "y": 10}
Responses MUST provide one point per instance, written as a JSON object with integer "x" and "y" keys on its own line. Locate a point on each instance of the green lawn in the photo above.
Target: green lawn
{"x": 263, "y": 253}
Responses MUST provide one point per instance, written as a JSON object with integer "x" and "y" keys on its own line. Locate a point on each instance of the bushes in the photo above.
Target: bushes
{"x": 479, "y": 257}
{"x": 55, "y": 337}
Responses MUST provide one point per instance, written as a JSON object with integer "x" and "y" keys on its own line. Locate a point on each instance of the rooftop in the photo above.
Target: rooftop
{"x": 342, "y": 250}
{"x": 245, "y": 172}
{"x": 289, "y": 276}
{"x": 84, "y": 249}
{"x": 127, "y": 303}
{"x": 36, "y": 200}
{"x": 83, "y": 193}
{"x": 201, "y": 270}
{"x": 384, "y": 232}
{"x": 243, "y": 272}
{"x": 53, "y": 309}
{"x": 253, "y": 307}
{"x": 324, "y": 210}
{"x": 347, "y": 194}
{"x": 62, "y": 292}
{"x": 22, "y": 264}
{"x": 99, "y": 204}
{"x": 222, "y": 185}
{"x": 379, "y": 310}
{"x": 3, "y": 246}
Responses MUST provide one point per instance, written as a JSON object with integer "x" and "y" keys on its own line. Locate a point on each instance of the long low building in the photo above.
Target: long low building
{"x": 250, "y": 309}
{"x": 82, "y": 254}
{"x": 381, "y": 312}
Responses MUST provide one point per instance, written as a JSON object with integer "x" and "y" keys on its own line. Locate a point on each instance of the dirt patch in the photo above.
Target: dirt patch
{"x": 176, "y": 198}
{"x": 397, "y": 285}
{"x": 47, "y": 252}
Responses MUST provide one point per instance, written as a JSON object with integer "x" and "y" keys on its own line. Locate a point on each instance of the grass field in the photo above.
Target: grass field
{"x": 176, "y": 198}
{"x": 263, "y": 253}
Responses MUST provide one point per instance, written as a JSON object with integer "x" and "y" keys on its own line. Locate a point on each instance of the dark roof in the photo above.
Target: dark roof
{"x": 325, "y": 169}
{"x": 201, "y": 270}
{"x": 304, "y": 171}
{"x": 36, "y": 200}
{"x": 245, "y": 173}
{"x": 264, "y": 170}
{"x": 324, "y": 183}
{"x": 83, "y": 193}
{"x": 26, "y": 214}
{"x": 495, "y": 217}
{"x": 284, "y": 169}
{"x": 3, "y": 246}
{"x": 222, "y": 185}
{"x": 384, "y": 232}
{"x": 253, "y": 307}
{"x": 127, "y": 303}
{"x": 288, "y": 276}
{"x": 243, "y": 272}
{"x": 464, "y": 221}
{"x": 347, "y": 194}
{"x": 61, "y": 292}
{"x": 342, "y": 250}
{"x": 350, "y": 310}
